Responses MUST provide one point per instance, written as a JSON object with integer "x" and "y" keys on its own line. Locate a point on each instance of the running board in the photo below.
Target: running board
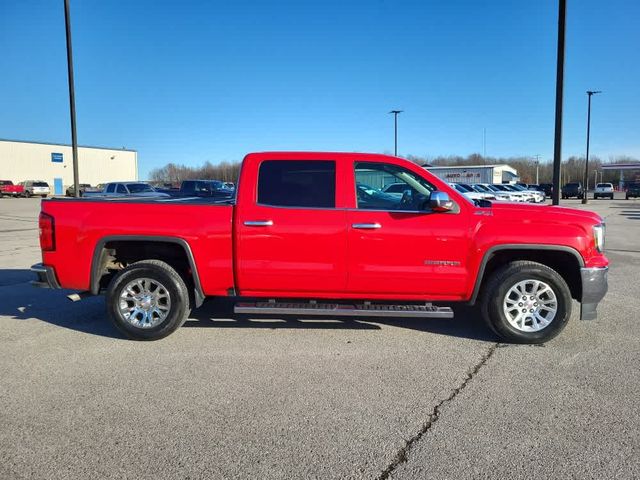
{"x": 344, "y": 310}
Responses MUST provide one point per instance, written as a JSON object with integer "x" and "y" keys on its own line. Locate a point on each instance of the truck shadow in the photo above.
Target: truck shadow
{"x": 21, "y": 302}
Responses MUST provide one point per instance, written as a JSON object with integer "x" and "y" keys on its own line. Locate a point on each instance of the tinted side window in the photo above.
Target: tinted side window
{"x": 121, "y": 189}
{"x": 111, "y": 188}
{"x": 297, "y": 183}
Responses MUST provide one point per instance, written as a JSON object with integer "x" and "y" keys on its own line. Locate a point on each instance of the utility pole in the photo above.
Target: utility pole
{"x": 484, "y": 143}
{"x": 537, "y": 165}
{"x": 557, "y": 144}
{"x": 72, "y": 101}
{"x": 590, "y": 93}
{"x": 395, "y": 130}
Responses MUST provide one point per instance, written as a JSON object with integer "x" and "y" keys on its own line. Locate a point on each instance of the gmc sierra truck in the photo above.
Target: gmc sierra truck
{"x": 7, "y": 188}
{"x": 316, "y": 234}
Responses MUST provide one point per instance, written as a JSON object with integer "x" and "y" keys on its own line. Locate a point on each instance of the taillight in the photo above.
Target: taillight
{"x": 47, "y": 233}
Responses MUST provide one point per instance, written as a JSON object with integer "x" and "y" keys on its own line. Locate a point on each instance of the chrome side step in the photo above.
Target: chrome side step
{"x": 344, "y": 310}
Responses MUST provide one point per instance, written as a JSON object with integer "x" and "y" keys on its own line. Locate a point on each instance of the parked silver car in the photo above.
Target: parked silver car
{"x": 36, "y": 187}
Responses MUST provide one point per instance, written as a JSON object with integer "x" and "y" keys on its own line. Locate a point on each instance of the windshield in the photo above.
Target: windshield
{"x": 40, "y": 184}
{"x": 464, "y": 188}
{"x": 6, "y": 182}
{"x": 396, "y": 188}
{"x": 468, "y": 187}
{"x": 482, "y": 188}
{"x": 511, "y": 188}
{"x": 139, "y": 188}
{"x": 604, "y": 185}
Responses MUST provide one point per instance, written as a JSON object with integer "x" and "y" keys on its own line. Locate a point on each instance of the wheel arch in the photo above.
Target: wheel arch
{"x": 565, "y": 260}
{"x": 101, "y": 257}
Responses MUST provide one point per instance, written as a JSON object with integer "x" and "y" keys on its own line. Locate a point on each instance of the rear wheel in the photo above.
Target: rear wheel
{"x": 526, "y": 302}
{"x": 148, "y": 300}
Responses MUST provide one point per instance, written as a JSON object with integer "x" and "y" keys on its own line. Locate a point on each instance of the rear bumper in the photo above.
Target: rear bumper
{"x": 594, "y": 288}
{"x": 46, "y": 276}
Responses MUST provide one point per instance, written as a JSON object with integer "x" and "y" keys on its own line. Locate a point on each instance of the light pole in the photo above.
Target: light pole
{"x": 395, "y": 130}
{"x": 557, "y": 144}
{"x": 72, "y": 101}
{"x": 586, "y": 160}
{"x": 537, "y": 165}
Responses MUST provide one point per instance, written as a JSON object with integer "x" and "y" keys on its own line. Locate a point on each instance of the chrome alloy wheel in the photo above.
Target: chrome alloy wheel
{"x": 530, "y": 305}
{"x": 144, "y": 303}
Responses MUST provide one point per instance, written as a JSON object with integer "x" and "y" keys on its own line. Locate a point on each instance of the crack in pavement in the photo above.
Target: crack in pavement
{"x": 402, "y": 454}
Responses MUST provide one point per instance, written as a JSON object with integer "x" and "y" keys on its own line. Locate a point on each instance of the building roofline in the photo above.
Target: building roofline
{"x": 66, "y": 145}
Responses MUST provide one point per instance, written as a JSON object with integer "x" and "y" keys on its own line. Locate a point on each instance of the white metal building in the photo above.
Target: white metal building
{"x": 53, "y": 163}
{"x": 476, "y": 174}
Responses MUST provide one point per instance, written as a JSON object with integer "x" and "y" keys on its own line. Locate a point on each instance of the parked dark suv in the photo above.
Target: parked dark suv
{"x": 547, "y": 188}
{"x": 633, "y": 190}
{"x": 573, "y": 189}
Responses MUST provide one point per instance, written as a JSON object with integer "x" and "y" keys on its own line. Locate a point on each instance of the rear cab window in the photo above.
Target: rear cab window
{"x": 297, "y": 183}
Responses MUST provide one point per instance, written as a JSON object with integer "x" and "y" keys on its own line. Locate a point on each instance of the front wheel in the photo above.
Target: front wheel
{"x": 148, "y": 300}
{"x": 526, "y": 302}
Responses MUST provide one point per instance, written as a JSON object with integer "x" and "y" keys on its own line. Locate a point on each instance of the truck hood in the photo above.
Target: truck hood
{"x": 544, "y": 213}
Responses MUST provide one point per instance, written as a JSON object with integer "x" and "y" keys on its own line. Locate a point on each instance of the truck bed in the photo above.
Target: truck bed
{"x": 83, "y": 225}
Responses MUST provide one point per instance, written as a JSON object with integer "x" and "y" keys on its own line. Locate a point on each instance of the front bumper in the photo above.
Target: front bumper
{"x": 594, "y": 288}
{"x": 46, "y": 276}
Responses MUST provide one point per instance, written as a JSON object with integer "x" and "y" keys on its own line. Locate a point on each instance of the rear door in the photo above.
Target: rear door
{"x": 290, "y": 233}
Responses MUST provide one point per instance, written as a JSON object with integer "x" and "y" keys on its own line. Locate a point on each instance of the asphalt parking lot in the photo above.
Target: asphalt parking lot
{"x": 231, "y": 397}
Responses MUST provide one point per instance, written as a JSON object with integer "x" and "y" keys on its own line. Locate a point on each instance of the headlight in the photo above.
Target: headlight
{"x": 598, "y": 237}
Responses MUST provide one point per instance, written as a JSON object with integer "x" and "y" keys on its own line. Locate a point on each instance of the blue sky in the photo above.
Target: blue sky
{"x": 193, "y": 81}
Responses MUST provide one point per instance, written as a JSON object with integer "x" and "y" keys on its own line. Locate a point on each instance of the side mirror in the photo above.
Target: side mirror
{"x": 440, "y": 202}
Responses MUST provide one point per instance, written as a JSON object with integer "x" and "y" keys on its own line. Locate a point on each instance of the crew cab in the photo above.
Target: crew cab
{"x": 315, "y": 234}
{"x": 7, "y": 188}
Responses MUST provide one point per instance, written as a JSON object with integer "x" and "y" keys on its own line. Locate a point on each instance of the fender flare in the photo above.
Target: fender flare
{"x": 99, "y": 251}
{"x": 517, "y": 246}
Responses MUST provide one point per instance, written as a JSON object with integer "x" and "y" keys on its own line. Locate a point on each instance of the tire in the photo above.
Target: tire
{"x": 505, "y": 281}
{"x": 43, "y": 196}
{"x": 27, "y": 194}
{"x": 171, "y": 292}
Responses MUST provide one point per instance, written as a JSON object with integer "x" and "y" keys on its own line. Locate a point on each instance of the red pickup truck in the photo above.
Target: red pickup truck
{"x": 316, "y": 234}
{"x": 7, "y": 188}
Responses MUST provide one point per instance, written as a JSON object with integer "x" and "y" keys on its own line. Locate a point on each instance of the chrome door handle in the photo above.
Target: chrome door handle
{"x": 366, "y": 226}
{"x": 258, "y": 223}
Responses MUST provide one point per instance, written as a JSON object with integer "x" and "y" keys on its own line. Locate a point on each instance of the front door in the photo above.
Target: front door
{"x": 291, "y": 238}
{"x": 397, "y": 248}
